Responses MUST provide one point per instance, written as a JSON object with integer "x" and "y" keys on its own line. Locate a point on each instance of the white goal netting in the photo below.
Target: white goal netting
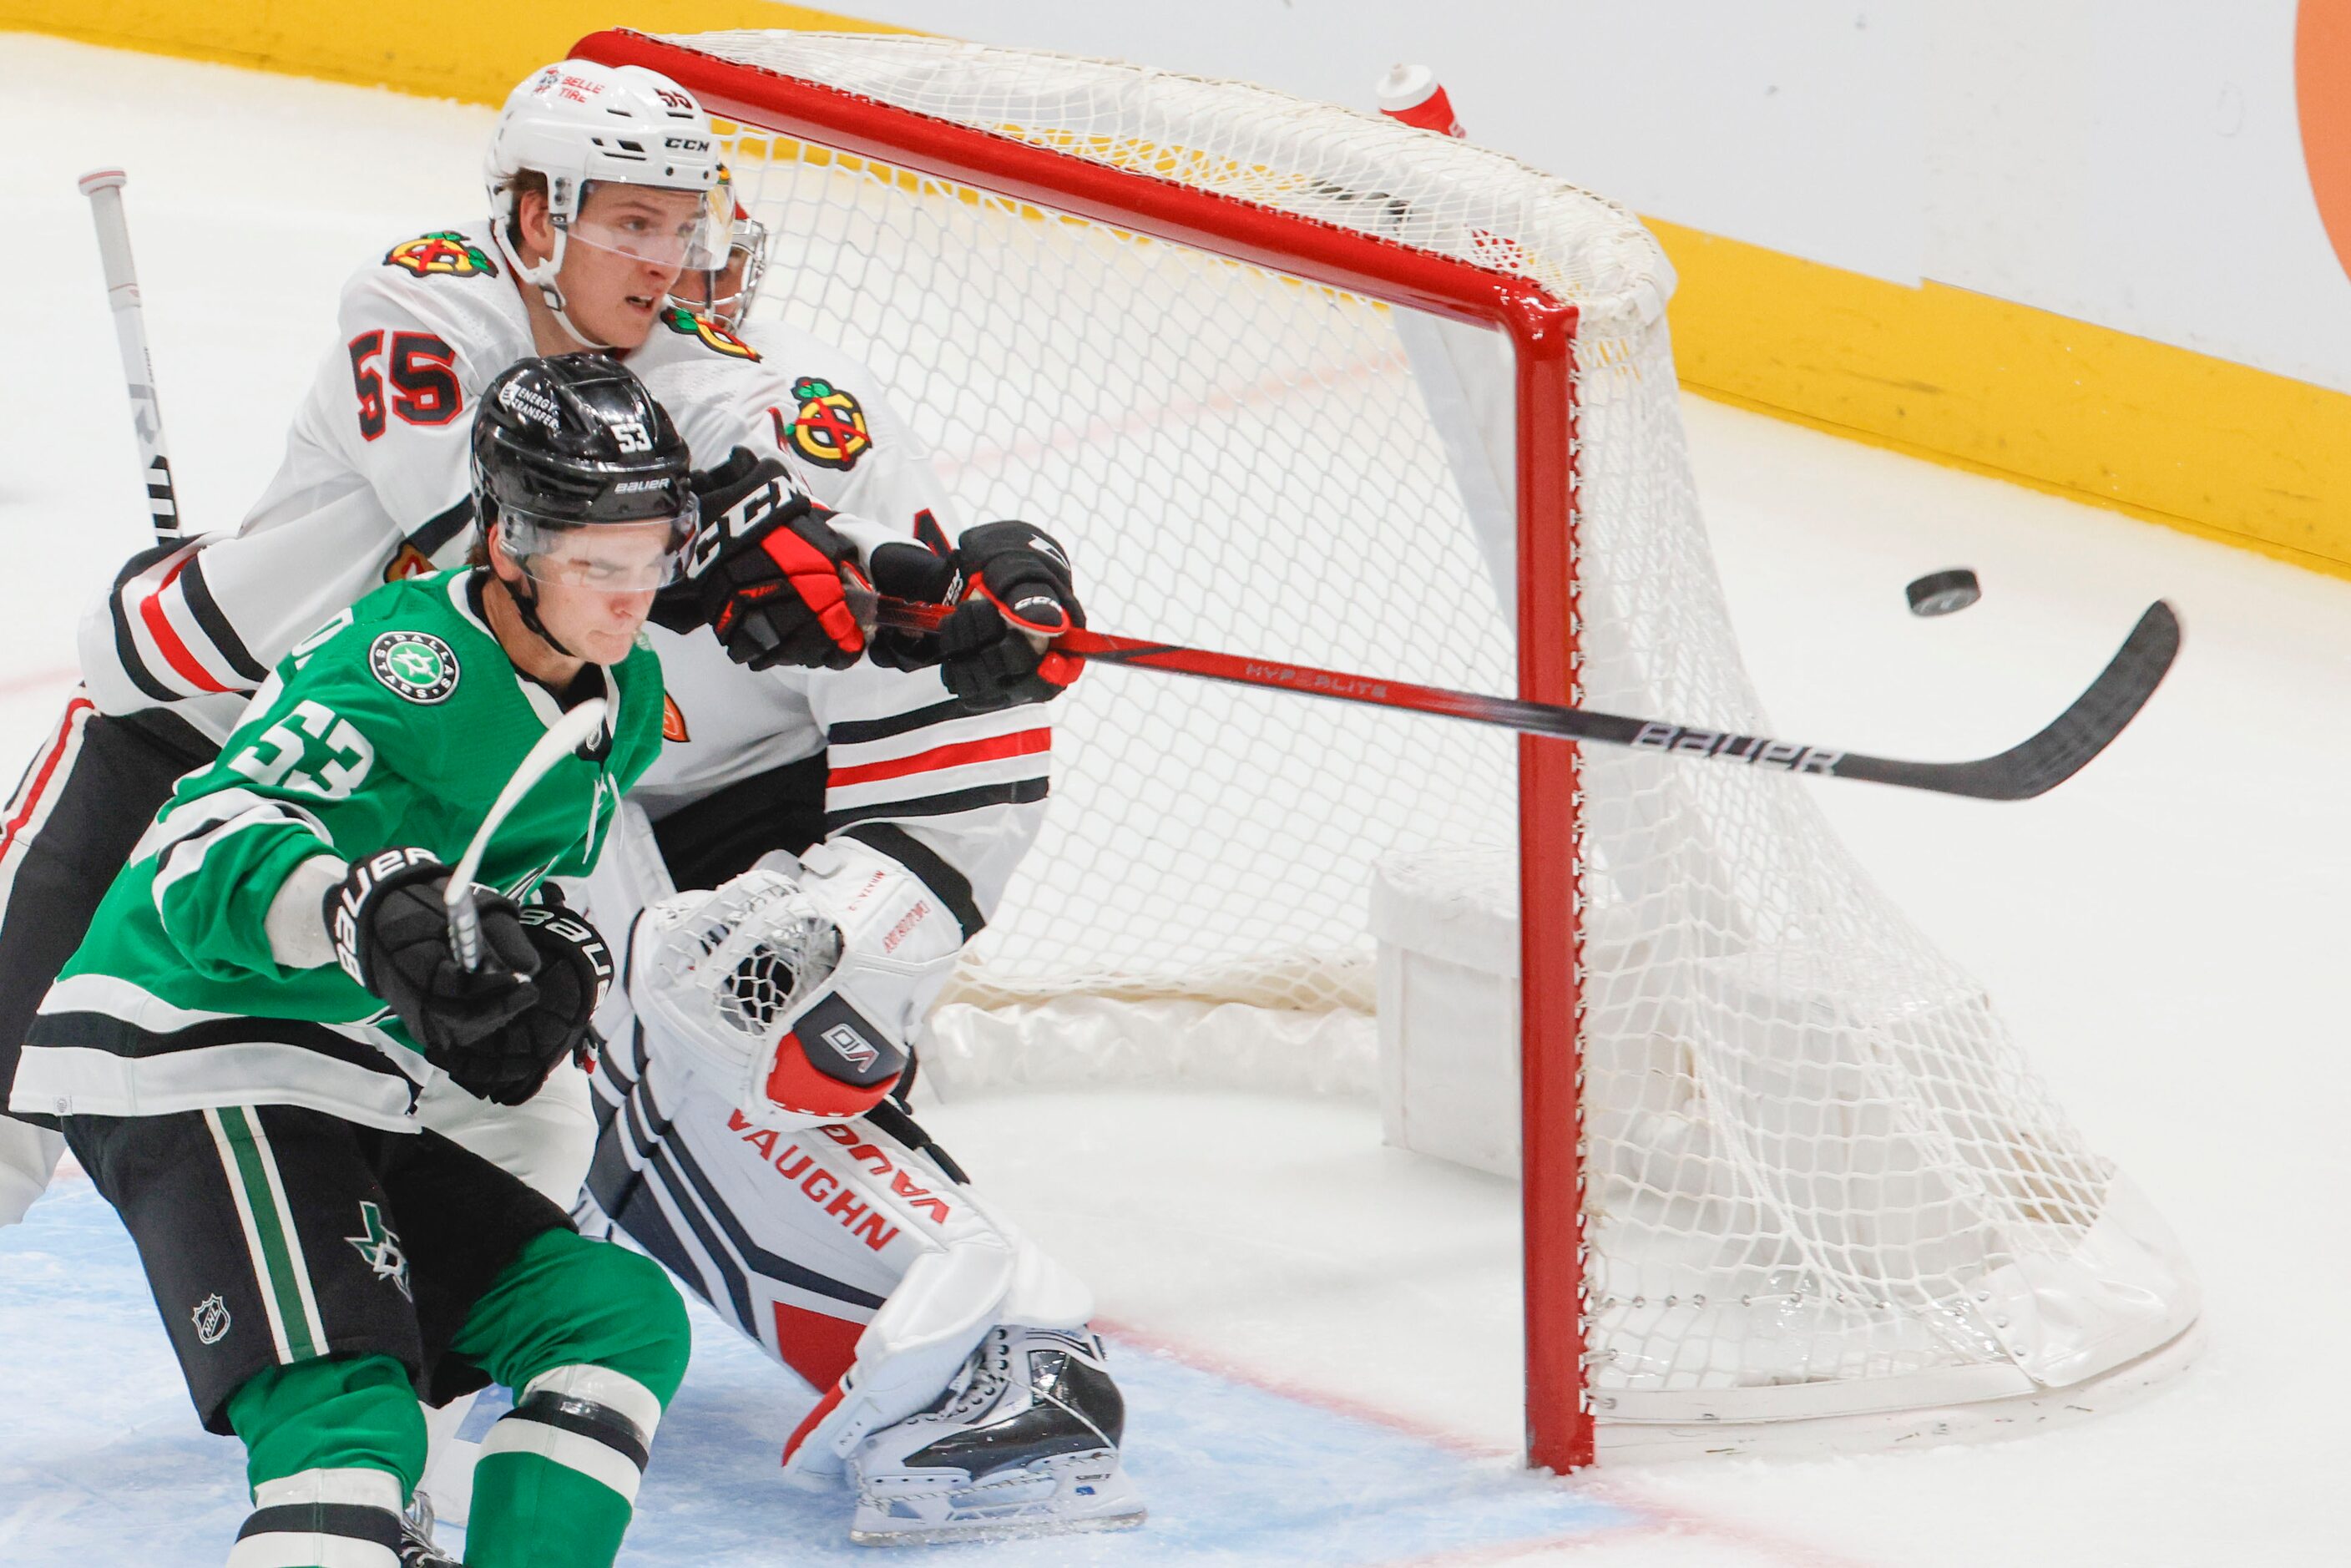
{"x": 1820, "y": 1179}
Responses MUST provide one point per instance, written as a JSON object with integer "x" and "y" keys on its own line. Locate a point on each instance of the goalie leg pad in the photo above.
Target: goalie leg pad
{"x": 848, "y": 1256}
{"x": 1025, "y": 1441}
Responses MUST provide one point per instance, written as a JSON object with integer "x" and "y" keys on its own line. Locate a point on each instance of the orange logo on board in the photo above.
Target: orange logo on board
{"x": 673, "y": 721}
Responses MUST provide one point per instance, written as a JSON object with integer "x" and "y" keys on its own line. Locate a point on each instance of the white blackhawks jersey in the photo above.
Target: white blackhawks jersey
{"x": 375, "y": 486}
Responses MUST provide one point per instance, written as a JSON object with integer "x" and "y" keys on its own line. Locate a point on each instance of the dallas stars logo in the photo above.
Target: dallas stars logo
{"x": 447, "y": 253}
{"x": 828, "y": 425}
{"x": 381, "y": 1248}
{"x": 414, "y": 664}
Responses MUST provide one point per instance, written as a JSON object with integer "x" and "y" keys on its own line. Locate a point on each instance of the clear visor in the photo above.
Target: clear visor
{"x": 660, "y": 228}
{"x": 726, "y": 294}
{"x": 609, "y": 558}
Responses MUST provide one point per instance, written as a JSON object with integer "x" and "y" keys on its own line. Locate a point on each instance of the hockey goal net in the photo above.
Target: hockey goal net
{"x": 1299, "y": 382}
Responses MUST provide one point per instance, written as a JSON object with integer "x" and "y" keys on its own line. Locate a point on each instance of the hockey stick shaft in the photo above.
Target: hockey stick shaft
{"x": 104, "y": 189}
{"x": 2059, "y": 751}
{"x": 564, "y": 736}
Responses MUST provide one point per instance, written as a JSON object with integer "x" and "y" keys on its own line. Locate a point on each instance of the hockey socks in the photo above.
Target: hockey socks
{"x": 333, "y": 1448}
{"x": 592, "y": 1338}
{"x": 557, "y": 1478}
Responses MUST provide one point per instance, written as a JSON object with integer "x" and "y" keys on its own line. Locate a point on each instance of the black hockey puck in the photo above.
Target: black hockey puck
{"x": 1940, "y": 592}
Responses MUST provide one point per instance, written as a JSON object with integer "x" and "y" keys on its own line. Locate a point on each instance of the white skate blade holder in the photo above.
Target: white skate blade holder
{"x": 1067, "y": 1494}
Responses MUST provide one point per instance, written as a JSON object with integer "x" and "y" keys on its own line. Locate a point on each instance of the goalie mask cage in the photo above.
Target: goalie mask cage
{"x": 1300, "y": 381}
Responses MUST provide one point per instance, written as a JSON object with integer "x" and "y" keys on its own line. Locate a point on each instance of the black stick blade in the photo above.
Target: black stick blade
{"x": 2067, "y": 745}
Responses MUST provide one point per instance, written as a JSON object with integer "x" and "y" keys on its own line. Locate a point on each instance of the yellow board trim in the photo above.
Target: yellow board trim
{"x": 472, "y": 50}
{"x": 2203, "y": 444}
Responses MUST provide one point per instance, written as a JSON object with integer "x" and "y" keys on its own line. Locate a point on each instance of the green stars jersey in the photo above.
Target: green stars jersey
{"x": 394, "y": 724}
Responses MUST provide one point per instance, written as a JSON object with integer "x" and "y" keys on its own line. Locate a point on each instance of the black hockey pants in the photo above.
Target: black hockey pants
{"x": 87, "y": 797}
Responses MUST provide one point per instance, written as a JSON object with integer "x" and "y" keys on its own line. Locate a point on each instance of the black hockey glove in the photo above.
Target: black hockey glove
{"x": 924, "y": 573}
{"x": 575, "y": 967}
{"x": 765, "y": 571}
{"x": 391, "y": 933}
{"x": 1019, "y": 589}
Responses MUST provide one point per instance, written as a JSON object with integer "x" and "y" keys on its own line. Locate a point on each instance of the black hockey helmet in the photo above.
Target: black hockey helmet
{"x": 574, "y": 441}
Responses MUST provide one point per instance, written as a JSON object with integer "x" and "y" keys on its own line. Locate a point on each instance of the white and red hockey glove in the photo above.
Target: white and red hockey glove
{"x": 766, "y": 574}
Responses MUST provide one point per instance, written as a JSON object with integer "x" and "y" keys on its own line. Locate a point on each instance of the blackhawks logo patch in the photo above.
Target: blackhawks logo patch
{"x": 828, "y": 427}
{"x": 448, "y": 253}
{"x": 414, "y": 664}
{"x": 718, "y": 339}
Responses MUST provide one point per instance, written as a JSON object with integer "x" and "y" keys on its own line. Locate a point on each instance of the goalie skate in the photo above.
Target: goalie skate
{"x": 1023, "y": 1442}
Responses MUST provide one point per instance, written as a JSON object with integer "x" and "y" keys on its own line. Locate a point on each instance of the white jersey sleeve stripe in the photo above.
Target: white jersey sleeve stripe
{"x": 134, "y": 647}
{"x": 1033, "y": 742}
{"x": 933, "y": 781}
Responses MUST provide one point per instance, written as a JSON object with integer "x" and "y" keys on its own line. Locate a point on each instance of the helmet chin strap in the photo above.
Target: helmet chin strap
{"x": 527, "y": 605}
{"x": 542, "y": 277}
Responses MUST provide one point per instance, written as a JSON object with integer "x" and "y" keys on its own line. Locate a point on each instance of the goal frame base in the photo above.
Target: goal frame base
{"x": 1619, "y": 1443}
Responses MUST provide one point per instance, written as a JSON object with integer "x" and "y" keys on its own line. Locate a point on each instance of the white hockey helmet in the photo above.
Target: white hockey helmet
{"x": 577, "y": 123}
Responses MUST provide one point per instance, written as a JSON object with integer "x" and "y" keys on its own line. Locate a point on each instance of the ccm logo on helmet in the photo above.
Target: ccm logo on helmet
{"x": 686, "y": 143}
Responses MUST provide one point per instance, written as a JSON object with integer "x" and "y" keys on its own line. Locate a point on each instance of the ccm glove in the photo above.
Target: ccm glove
{"x": 993, "y": 650}
{"x": 767, "y": 571}
{"x": 575, "y": 967}
{"x": 390, "y": 931}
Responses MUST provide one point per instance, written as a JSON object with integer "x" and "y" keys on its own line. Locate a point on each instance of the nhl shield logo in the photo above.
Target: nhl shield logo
{"x": 211, "y": 1318}
{"x": 414, "y": 664}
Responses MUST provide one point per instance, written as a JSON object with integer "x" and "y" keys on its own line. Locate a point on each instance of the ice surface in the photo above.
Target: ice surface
{"x": 1320, "y": 1335}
